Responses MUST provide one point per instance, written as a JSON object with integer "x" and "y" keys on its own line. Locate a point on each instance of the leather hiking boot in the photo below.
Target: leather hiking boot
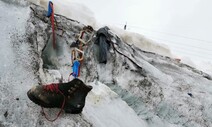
{"x": 53, "y": 95}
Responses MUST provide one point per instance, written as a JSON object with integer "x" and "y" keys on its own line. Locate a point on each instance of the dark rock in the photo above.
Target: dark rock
{"x": 6, "y": 114}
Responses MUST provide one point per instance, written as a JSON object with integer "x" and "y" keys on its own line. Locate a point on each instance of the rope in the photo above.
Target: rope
{"x": 81, "y": 44}
{"x": 81, "y": 50}
{"x": 53, "y": 31}
{"x": 58, "y": 114}
{"x": 69, "y": 76}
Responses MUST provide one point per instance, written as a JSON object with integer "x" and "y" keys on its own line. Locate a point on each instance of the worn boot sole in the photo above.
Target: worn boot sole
{"x": 40, "y": 103}
{"x": 69, "y": 109}
{"x": 37, "y": 101}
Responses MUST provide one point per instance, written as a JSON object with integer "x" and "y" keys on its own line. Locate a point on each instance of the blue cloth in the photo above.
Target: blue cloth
{"x": 49, "y": 13}
{"x": 75, "y": 68}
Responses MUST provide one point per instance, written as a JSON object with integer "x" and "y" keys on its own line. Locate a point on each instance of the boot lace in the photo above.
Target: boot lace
{"x": 52, "y": 87}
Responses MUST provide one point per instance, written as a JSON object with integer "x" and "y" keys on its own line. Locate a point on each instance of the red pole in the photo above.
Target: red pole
{"x": 52, "y": 21}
